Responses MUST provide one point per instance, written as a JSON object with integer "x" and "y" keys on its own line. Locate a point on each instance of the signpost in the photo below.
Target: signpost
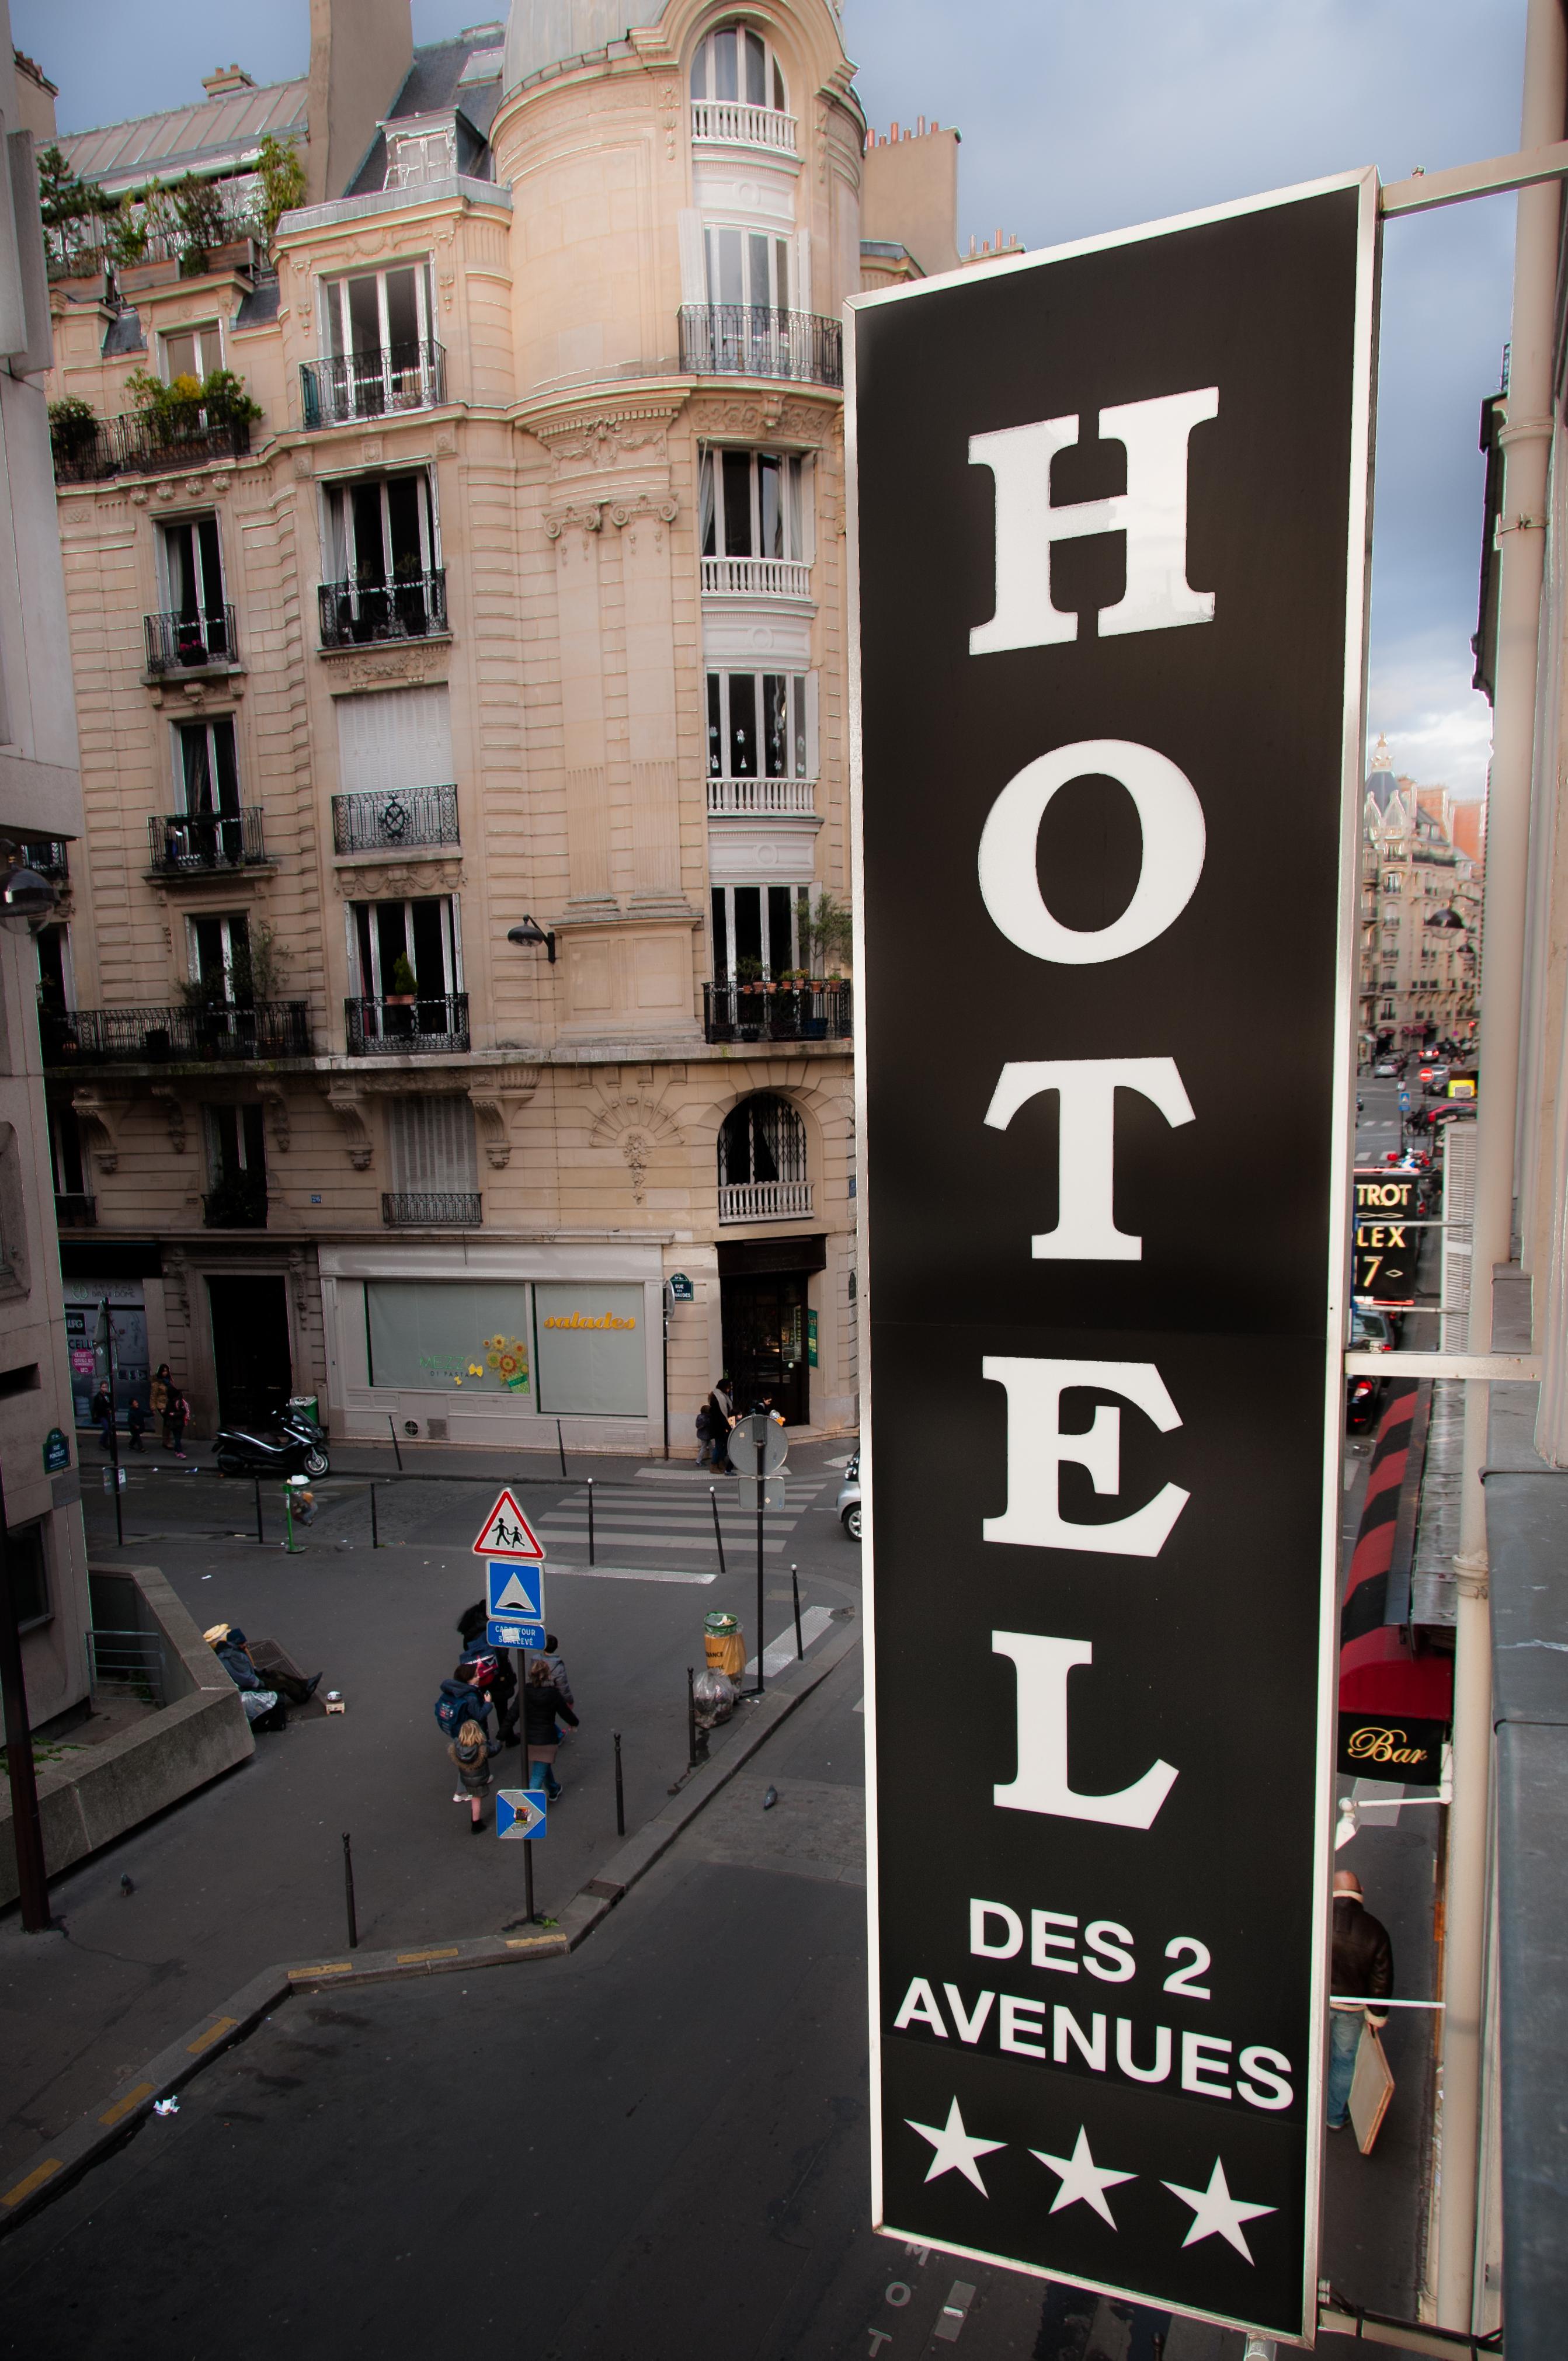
{"x": 507, "y": 1533}
{"x": 515, "y": 1598}
{"x": 1109, "y": 669}
{"x": 1386, "y": 1246}
{"x": 758, "y": 1449}
{"x": 520, "y": 1812}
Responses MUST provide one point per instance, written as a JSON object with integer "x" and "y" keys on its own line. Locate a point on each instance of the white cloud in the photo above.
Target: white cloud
{"x": 1439, "y": 729}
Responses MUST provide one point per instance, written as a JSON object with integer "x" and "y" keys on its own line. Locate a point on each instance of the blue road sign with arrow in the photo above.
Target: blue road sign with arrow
{"x": 520, "y": 1812}
{"x": 516, "y": 1599}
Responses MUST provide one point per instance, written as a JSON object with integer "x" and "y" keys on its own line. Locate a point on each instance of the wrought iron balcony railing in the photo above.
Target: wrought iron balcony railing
{"x": 178, "y": 643}
{"x": 432, "y": 1209}
{"x": 239, "y": 1203}
{"x": 424, "y": 1025}
{"x": 88, "y": 450}
{"x": 377, "y": 384}
{"x": 46, "y": 856}
{"x": 777, "y": 1012}
{"x": 751, "y": 798}
{"x": 735, "y": 125}
{"x": 74, "y": 1209}
{"x": 754, "y": 340}
{"x": 185, "y": 842}
{"x": 404, "y": 816}
{"x": 178, "y": 1036}
{"x": 764, "y": 1201}
{"x": 354, "y": 612}
{"x": 755, "y": 578}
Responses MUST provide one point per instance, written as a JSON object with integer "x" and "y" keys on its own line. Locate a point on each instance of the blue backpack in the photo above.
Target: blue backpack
{"x": 459, "y": 1702}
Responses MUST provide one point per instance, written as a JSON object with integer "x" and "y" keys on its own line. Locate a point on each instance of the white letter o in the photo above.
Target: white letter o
{"x": 1172, "y": 820}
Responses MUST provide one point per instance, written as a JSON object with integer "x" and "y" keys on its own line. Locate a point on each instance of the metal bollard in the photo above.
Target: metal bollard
{"x": 259, "y": 1534}
{"x": 795, "y": 1588}
{"x": 374, "y": 1528}
{"x": 590, "y": 1521}
{"x": 717, "y": 1530}
{"x": 349, "y": 1892}
{"x": 620, "y": 1790}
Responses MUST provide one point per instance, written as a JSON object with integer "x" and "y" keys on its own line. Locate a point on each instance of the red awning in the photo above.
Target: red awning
{"x": 1385, "y": 1668}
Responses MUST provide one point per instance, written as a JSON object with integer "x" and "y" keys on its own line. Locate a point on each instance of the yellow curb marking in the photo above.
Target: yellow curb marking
{"x": 408, "y": 1958}
{"x": 214, "y": 2033}
{"x": 529, "y": 1942}
{"x": 329, "y": 1968}
{"x": 122, "y": 2107}
{"x": 35, "y": 2180}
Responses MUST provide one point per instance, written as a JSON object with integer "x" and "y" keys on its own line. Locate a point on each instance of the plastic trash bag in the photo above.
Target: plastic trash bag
{"x": 713, "y": 1695}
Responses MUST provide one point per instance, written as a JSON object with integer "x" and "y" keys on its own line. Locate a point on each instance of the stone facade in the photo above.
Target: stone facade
{"x": 506, "y": 650}
{"x": 1419, "y": 858}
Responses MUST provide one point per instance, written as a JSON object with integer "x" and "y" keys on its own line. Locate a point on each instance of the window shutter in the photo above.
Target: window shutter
{"x": 431, "y": 1144}
{"x": 394, "y": 739}
{"x": 694, "y": 273}
{"x": 801, "y": 259}
{"x": 813, "y": 742}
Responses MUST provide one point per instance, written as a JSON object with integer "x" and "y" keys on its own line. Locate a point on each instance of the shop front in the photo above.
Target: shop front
{"x": 768, "y": 1318}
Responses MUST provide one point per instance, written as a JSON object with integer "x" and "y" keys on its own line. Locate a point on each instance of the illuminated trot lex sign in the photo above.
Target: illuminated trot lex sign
{"x": 1111, "y": 522}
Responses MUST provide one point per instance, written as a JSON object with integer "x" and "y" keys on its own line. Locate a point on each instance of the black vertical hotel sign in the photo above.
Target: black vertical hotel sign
{"x": 1111, "y": 516}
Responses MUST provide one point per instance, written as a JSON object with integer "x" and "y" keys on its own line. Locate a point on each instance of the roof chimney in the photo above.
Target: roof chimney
{"x": 225, "y": 79}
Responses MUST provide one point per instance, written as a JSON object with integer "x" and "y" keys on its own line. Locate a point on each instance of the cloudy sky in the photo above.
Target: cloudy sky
{"x": 1080, "y": 116}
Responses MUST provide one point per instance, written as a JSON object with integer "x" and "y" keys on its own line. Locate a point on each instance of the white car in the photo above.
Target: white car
{"x": 848, "y": 1502}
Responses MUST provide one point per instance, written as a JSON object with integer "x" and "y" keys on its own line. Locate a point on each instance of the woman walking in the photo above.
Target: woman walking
{"x": 158, "y": 1394}
{"x": 177, "y": 1410}
{"x": 541, "y": 1702}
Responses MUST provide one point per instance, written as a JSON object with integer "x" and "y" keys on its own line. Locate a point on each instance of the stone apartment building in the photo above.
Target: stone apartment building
{"x": 449, "y": 1015}
{"x": 1421, "y": 856}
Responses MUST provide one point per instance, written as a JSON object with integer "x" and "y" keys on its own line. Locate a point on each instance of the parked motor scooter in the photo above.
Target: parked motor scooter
{"x": 298, "y": 1448}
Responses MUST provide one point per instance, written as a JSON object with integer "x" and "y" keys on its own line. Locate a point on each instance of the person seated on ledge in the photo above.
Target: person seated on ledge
{"x": 278, "y": 1684}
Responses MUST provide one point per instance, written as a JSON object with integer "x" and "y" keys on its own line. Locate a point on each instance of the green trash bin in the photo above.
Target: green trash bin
{"x": 306, "y": 1406}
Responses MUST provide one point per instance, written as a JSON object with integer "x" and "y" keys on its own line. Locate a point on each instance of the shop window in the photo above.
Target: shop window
{"x": 590, "y": 1349}
{"x": 448, "y": 1336}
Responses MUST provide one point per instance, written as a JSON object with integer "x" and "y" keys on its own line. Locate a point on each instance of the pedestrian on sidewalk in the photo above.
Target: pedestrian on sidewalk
{"x": 470, "y": 1751}
{"x": 101, "y": 1409}
{"x": 472, "y": 1626}
{"x": 174, "y": 1418}
{"x": 541, "y": 1702}
{"x": 1361, "y": 1971}
{"x": 158, "y": 1395}
{"x": 136, "y": 1423}
{"x": 721, "y": 1415}
{"x": 557, "y": 1669}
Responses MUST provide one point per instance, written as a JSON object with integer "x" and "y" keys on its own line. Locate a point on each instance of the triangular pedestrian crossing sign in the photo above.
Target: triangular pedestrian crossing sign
{"x": 507, "y": 1533}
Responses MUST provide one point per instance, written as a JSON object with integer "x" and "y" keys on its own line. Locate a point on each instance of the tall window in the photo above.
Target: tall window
{"x": 192, "y": 352}
{"x": 392, "y": 941}
{"x": 760, "y": 933}
{"x": 208, "y": 771}
{"x": 761, "y": 1139}
{"x": 381, "y": 531}
{"x": 734, "y": 62}
{"x": 753, "y": 504}
{"x": 220, "y": 958}
{"x": 66, "y": 1153}
{"x": 236, "y": 1147}
{"x": 747, "y": 267}
{"x": 192, "y": 570}
{"x": 56, "y": 987}
{"x": 377, "y": 311}
{"x": 758, "y": 726}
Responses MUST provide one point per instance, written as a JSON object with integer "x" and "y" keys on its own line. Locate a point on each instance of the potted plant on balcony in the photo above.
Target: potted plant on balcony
{"x": 748, "y": 987}
{"x": 72, "y": 433}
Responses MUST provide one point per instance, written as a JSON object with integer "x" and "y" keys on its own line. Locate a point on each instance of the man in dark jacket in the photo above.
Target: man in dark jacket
{"x": 1361, "y": 1971}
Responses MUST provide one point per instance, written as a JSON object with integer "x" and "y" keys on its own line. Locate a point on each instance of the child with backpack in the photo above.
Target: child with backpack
{"x": 470, "y": 1751}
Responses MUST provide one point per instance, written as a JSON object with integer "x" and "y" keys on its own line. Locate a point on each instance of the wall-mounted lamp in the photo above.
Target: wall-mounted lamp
{"x": 531, "y": 934}
{"x": 25, "y": 900}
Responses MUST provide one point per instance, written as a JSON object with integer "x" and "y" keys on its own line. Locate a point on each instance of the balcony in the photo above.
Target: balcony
{"x": 185, "y": 844}
{"x": 354, "y": 614}
{"x": 776, "y": 1012}
{"x": 164, "y": 1036}
{"x": 86, "y": 451}
{"x": 755, "y": 578}
{"x": 46, "y": 856}
{"x": 764, "y": 1201}
{"x": 762, "y": 798}
{"x": 383, "y": 823}
{"x": 380, "y": 383}
{"x": 425, "y": 1027}
{"x": 74, "y": 1210}
{"x": 239, "y": 1203}
{"x": 753, "y": 340}
{"x": 430, "y": 1209}
{"x": 189, "y": 642}
{"x": 733, "y": 125}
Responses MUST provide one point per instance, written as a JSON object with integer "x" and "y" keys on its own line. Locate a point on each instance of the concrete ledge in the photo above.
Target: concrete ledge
{"x": 96, "y": 2134}
{"x": 87, "y": 1802}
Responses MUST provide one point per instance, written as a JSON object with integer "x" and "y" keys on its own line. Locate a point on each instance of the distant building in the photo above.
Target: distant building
{"x": 1420, "y": 914}
{"x": 522, "y": 605}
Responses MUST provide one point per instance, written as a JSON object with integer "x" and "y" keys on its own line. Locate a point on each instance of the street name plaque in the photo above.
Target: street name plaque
{"x": 1111, "y": 518}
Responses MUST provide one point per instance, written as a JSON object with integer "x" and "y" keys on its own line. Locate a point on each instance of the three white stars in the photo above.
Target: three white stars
{"x": 1215, "y": 2213}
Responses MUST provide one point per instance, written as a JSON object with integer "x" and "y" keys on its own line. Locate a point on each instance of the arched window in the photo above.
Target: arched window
{"x": 736, "y": 64}
{"x": 761, "y": 1139}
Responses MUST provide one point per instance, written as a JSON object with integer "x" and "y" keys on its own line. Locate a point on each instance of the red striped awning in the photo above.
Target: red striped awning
{"x": 1381, "y": 1667}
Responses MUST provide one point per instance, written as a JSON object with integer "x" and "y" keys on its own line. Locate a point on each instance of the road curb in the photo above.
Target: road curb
{"x": 98, "y": 2133}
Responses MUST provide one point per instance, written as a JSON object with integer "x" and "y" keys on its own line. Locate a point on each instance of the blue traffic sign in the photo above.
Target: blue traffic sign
{"x": 515, "y": 1635}
{"x": 520, "y": 1812}
{"x": 515, "y": 1593}
{"x": 1403, "y": 1102}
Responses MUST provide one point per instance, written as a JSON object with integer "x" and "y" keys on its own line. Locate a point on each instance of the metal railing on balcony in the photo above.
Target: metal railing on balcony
{"x": 432, "y": 1209}
{"x": 375, "y": 384}
{"x": 354, "y": 612}
{"x": 425, "y": 1025}
{"x": 74, "y": 1209}
{"x": 376, "y": 822}
{"x": 754, "y": 340}
{"x": 738, "y": 126}
{"x": 179, "y": 1035}
{"x": 88, "y": 450}
{"x": 755, "y": 578}
{"x": 238, "y": 1203}
{"x": 179, "y": 642}
{"x": 760, "y": 798}
{"x": 183, "y": 843}
{"x": 777, "y": 1012}
{"x": 46, "y": 856}
{"x": 764, "y": 1201}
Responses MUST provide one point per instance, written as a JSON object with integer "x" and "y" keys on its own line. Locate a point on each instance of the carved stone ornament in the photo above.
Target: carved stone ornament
{"x": 163, "y": 1095}
{"x": 625, "y": 512}
{"x": 601, "y": 436}
{"x": 747, "y": 415}
{"x": 100, "y": 1116}
{"x": 347, "y": 1104}
{"x": 274, "y": 1100}
{"x": 399, "y": 881}
{"x": 497, "y": 1098}
{"x": 378, "y": 671}
{"x": 589, "y": 518}
{"x": 304, "y": 467}
{"x": 634, "y": 1121}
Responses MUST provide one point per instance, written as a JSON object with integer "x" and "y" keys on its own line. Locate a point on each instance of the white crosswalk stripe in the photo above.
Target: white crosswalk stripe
{"x": 675, "y": 1519}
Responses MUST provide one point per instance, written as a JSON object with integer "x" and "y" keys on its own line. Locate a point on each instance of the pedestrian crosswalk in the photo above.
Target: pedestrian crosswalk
{"x": 672, "y": 1516}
